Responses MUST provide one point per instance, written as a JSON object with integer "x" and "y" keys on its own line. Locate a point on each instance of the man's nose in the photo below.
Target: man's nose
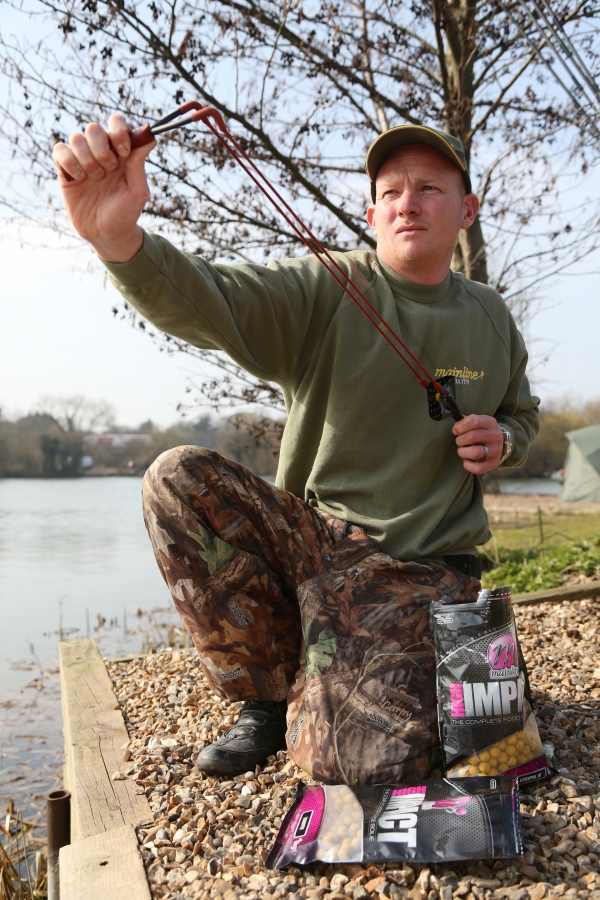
{"x": 409, "y": 203}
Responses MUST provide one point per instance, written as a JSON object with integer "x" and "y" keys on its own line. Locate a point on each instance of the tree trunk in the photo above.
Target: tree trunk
{"x": 474, "y": 258}
{"x": 456, "y": 31}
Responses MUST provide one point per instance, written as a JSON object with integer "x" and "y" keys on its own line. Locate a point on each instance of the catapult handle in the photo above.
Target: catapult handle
{"x": 139, "y": 138}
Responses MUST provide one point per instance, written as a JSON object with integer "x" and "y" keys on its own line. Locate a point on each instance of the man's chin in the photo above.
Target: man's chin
{"x": 412, "y": 255}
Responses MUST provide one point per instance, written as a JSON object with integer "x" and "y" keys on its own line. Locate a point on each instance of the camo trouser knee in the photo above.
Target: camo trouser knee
{"x": 283, "y": 599}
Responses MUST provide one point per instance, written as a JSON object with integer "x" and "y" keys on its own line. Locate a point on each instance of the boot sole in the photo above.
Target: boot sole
{"x": 228, "y": 767}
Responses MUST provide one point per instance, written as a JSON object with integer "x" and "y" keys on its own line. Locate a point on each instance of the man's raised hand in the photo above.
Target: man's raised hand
{"x": 108, "y": 190}
{"x": 473, "y": 435}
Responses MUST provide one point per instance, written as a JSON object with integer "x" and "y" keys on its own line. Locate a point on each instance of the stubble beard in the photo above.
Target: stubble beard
{"x": 408, "y": 255}
{"x": 412, "y": 255}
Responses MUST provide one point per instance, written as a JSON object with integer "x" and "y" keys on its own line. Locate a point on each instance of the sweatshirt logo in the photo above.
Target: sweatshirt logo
{"x": 463, "y": 375}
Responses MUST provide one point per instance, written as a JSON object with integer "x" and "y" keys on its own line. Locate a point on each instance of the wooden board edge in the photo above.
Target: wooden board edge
{"x": 131, "y": 658}
{"x": 103, "y": 865}
{"x": 72, "y": 653}
{"x": 570, "y": 593}
{"x": 68, "y": 773}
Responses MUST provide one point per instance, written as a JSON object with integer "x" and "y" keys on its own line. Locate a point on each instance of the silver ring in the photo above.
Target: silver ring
{"x": 486, "y": 451}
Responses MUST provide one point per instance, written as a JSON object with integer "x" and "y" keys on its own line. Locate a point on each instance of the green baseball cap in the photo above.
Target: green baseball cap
{"x": 390, "y": 140}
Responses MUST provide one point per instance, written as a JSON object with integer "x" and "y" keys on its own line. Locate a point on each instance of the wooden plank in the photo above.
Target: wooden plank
{"x": 104, "y": 865}
{"x": 130, "y": 658}
{"x": 558, "y": 595}
{"x": 95, "y": 733}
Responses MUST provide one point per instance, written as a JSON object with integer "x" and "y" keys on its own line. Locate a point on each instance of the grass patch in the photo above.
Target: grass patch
{"x": 542, "y": 567}
{"x": 557, "y": 529}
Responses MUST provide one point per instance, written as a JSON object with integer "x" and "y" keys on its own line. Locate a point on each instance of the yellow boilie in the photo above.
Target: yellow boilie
{"x": 507, "y": 754}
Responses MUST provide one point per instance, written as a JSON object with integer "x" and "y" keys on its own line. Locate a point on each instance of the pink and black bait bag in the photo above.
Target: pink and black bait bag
{"x": 487, "y": 726}
{"x": 435, "y": 821}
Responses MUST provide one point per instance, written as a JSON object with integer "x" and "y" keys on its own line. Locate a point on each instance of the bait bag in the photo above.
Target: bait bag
{"x": 487, "y": 726}
{"x": 436, "y": 821}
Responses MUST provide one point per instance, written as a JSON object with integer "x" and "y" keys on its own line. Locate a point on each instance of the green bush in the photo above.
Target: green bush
{"x": 545, "y": 567}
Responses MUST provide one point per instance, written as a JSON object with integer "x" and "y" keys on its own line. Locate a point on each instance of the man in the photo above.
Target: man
{"x": 318, "y": 591}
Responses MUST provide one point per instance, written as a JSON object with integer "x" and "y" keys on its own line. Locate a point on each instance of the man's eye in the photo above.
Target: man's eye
{"x": 428, "y": 187}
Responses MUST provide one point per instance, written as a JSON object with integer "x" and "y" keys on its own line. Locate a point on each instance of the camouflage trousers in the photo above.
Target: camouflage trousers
{"x": 283, "y": 600}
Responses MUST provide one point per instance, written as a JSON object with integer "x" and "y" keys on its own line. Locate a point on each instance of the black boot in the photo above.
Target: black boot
{"x": 258, "y": 732}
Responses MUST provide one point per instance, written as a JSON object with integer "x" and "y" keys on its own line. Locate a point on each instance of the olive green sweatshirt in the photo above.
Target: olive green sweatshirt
{"x": 359, "y": 442}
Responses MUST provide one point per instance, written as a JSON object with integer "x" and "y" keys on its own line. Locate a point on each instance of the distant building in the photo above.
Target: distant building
{"x": 116, "y": 440}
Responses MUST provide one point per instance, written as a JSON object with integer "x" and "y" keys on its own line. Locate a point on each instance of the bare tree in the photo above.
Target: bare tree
{"x": 77, "y": 413}
{"x": 306, "y": 86}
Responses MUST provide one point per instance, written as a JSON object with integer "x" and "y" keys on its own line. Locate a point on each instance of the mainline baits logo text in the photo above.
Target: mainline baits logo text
{"x": 502, "y": 656}
{"x": 482, "y": 698}
{"x": 398, "y": 822}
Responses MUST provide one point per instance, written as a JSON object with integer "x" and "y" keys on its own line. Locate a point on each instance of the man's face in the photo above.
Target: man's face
{"x": 420, "y": 207}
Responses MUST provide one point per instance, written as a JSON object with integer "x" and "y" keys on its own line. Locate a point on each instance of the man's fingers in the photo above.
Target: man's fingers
{"x": 473, "y": 434}
{"x": 479, "y": 468}
{"x": 140, "y": 154}
{"x": 67, "y": 163}
{"x": 119, "y": 132}
{"x": 477, "y": 452}
{"x": 481, "y": 436}
{"x": 472, "y": 423}
{"x": 475, "y": 459}
{"x": 80, "y": 148}
{"x": 99, "y": 146}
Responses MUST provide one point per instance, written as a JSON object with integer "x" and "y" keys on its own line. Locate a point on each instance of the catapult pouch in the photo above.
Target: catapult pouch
{"x": 487, "y": 726}
{"x": 436, "y": 821}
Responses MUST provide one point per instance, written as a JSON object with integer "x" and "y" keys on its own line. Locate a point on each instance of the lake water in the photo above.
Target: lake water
{"x": 529, "y": 486}
{"x": 70, "y": 551}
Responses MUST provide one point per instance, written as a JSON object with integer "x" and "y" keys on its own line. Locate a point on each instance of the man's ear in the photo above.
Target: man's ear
{"x": 371, "y": 219}
{"x": 471, "y": 208}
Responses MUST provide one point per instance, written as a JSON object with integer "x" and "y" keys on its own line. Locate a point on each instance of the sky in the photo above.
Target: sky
{"x": 60, "y": 338}
{"x": 568, "y": 330}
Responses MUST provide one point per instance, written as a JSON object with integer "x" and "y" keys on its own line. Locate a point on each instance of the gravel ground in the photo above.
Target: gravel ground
{"x": 211, "y": 835}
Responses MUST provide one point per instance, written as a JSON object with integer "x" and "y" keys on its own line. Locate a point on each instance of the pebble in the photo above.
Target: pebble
{"x": 211, "y": 835}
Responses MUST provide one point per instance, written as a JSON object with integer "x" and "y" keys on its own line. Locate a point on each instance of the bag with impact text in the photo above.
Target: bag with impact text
{"x": 436, "y": 821}
{"x": 487, "y": 726}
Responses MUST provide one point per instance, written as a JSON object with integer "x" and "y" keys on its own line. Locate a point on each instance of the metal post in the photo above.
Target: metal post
{"x": 58, "y": 820}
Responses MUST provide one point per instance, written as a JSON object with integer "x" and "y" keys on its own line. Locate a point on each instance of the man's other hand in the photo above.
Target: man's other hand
{"x": 473, "y": 435}
{"x": 107, "y": 188}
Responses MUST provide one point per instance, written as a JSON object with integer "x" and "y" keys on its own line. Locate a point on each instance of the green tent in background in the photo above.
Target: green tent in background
{"x": 582, "y": 467}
